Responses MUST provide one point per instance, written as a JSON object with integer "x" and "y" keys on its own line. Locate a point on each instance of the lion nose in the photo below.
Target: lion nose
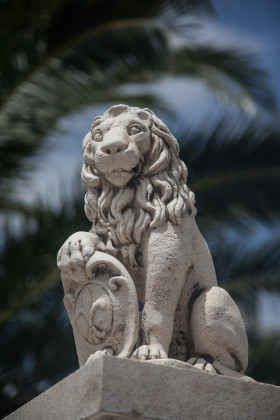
{"x": 114, "y": 147}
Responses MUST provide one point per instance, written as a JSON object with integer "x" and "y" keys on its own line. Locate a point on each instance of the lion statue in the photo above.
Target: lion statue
{"x": 143, "y": 214}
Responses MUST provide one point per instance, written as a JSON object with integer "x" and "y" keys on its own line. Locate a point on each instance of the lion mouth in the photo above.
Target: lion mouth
{"x": 120, "y": 178}
{"x": 136, "y": 170}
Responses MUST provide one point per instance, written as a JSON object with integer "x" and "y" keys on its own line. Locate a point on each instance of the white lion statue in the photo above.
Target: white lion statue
{"x": 143, "y": 218}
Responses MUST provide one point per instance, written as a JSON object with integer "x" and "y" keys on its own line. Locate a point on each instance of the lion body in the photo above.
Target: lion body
{"x": 182, "y": 302}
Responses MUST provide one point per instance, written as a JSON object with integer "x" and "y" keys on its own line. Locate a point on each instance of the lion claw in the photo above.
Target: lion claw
{"x": 201, "y": 364}
{"x": 149, "y": 352}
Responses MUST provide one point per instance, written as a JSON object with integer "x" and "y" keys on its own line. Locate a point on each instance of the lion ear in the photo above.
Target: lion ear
{"x": 145, "y": 113}
{"x": 87, "y": 150}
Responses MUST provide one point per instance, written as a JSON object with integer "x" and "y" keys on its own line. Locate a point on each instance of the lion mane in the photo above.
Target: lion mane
{"x": 157, "y": 193}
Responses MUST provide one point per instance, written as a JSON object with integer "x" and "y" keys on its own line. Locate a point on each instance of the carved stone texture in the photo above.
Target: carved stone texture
{"x": 143, "y": 222}
{"x": 111, "y": 388}
{"x": 103, "y": 310}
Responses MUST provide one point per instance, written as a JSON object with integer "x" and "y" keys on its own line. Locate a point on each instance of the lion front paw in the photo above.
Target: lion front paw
{"x": 148, "y": 352}
{"x": 75, "y": 253}
{"x": 201, "y": 364}
{"x": 97, "y": 354}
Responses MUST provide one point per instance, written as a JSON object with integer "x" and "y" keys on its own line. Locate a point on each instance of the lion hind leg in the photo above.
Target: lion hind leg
{"x": 218, "y": 331}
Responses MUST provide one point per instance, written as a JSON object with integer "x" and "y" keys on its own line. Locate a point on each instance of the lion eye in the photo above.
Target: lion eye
{"x": 134, "y": 129}
{"x": 97, "y": 136}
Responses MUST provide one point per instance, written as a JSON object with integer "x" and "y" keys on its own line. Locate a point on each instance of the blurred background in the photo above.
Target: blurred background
{"x": 210, "y": 70}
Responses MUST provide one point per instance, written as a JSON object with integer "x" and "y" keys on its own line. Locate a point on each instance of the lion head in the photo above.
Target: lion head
{"x": 134, "y": 177}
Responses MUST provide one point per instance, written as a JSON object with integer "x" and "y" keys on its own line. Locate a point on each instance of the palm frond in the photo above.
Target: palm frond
{"x": 234, "y": 169}
{"x": 31, "y": 293}
{"x": 247, "y": 264}
{"x": 77, "y": 80}
{"x": 230, "y": 71}
{"x": 30, "y": 258}
{"x": 242, "y": 266}
{"x": 31, "y": 31}
{"x": 131, "y": 51}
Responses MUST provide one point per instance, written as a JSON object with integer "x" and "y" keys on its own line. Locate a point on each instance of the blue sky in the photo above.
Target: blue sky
{"x": 257, "y": 22}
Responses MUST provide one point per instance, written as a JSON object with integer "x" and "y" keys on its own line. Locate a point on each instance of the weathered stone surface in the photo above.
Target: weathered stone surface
{"x": 115, "y": 388}
{"x": 145, "y": 243}
{"x": 103, "y": 310}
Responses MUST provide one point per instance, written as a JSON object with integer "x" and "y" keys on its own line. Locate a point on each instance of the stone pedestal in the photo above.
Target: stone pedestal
{"x": 114, "y": 388}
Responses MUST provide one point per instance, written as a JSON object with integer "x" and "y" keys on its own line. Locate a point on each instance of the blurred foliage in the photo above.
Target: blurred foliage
{"x": 32, "y": 312}
{"x": 33, "y": 30}
{"x": 60, "y": 56}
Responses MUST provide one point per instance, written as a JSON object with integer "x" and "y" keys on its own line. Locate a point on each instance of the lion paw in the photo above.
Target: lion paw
{"x": 149, "y": 352}
{"x": 97, "y": 354}
{"x": 202, "y": 364}
{"x": 75, "y": 253}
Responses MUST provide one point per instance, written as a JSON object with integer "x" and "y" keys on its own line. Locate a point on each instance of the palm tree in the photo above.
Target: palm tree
{"x": 78, "y": 72}
{"x": 57, "y": 68}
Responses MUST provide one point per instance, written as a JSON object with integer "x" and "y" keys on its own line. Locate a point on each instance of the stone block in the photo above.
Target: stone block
{"x": 115, "y": 388}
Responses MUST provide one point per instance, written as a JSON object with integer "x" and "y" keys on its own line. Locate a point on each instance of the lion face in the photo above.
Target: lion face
{"x": 134, "y": 177}
{"x": 119, "y": 145}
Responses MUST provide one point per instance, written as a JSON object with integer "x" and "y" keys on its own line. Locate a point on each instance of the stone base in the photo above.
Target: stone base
{"x": 113, "y": 388}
